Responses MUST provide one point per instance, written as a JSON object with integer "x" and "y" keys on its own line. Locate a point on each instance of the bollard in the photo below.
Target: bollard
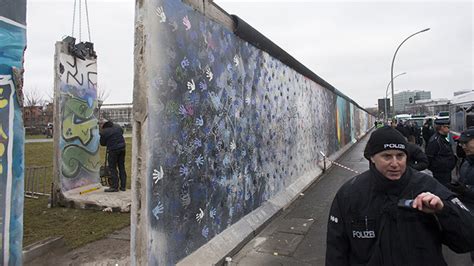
{"x": 324, "y": 161}
{"x": 324, "y": 164}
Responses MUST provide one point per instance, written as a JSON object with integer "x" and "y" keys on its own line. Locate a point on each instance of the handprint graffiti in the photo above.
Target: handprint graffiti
{"x": 160, "y": 13}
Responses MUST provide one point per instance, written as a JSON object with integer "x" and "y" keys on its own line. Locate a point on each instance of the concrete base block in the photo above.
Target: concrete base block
{"x": 261, "y": 216}
{"x": 94, "y": 197}
{"x": 281, "y": 199}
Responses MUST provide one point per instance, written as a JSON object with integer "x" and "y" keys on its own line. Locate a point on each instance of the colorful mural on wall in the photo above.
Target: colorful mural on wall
{"x": 229, "y": 127}
{"x": 343, "y": 122}
{"x": 79, "y": 137}
{"x": 12, "y": 46}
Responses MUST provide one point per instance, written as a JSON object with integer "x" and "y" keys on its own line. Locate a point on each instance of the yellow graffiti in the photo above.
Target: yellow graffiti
{"x": 80, "y": 108}
{"x": 2, "y": 146}
{"x": 79, "y": 120}
{"x": 82, "y": 131}
{"x": 2, "y": 133}
{"x": 3, "y": 102}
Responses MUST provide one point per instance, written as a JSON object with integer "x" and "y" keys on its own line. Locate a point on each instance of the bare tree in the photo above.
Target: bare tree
{"x": 102, "y": 95}
{"x": 33, "y": 97}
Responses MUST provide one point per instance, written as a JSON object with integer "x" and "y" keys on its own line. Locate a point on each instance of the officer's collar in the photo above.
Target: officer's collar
{"x": 470, "y": 158}
{"x": 388, "y": 186}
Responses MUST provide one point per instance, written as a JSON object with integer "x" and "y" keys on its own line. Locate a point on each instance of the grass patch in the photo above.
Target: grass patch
{"x": 78, "y": 227}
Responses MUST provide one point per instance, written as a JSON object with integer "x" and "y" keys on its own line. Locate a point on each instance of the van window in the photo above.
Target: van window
{"x": 443, "y": 114}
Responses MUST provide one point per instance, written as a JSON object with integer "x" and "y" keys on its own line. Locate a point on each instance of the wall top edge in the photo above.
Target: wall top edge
{"x": 246, "y": 32}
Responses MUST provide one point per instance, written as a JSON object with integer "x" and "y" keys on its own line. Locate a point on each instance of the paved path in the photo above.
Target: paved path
{"x": 279, "y": 244}
{"x": 38, "y": 140}
{"x": 51, "y": 140}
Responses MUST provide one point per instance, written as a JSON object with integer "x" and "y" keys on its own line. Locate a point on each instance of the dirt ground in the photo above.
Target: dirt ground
{"x": 112, "y": 250}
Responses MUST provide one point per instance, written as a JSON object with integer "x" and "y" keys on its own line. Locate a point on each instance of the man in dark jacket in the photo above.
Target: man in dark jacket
{"x": 111, "y": 135}
{"x": 440, "y": 153}
{"x": 416, "y": 157}
{"x": 427, "y": 131}
{"x": 466, "y": 172}
{"x": 417, "y": 134}
{"x": 393, "y": 215}
{"x": 403, "y": 128}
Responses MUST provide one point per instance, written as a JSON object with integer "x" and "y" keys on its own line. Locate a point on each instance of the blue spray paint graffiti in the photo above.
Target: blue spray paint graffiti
{"x": 230, "y": 127}
{"x": 12, "y": 45}
{"x": 79, "y": 133}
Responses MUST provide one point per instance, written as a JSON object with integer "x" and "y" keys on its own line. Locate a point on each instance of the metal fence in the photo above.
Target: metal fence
{"x": 38, "y": 181}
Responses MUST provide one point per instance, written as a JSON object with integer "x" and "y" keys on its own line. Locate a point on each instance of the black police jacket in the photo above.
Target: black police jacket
{"x": 416, "y": 158}
{"x": 466, "y": 172}
{"x": 368, "y": 227}
{"x": 427, "y": 132}
{"x": 440, "y": 154}
{"x": 466, "y": 177}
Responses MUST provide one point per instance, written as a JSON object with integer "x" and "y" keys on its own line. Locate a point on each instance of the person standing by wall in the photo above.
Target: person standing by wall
{"x": 394, "y": 215}
{"x": 111, "y": 135}
{"x": 427, "y": 131}
{"x": 440, "y": 154}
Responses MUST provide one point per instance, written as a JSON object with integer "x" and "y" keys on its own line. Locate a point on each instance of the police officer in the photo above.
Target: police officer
{"x": 466, "y": 172}
{"x": 394, "y": 215}
{"x": 440, "y": 153}
{"x": 427, "y": 131}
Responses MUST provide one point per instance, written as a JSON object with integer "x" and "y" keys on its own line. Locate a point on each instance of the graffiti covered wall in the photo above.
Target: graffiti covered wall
{"x": 12, "y": 46}
{"x": 228, "y": 127}
{"x": 78, "y": 131}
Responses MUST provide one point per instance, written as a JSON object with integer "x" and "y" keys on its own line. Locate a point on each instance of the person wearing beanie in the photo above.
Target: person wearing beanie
{"x": 441, "y": 158}
{"x": 394, "y": 215}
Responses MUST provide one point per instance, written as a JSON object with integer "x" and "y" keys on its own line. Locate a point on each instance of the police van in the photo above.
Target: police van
{"x": 402, "y": 117}
{"x": 461, "y": 109}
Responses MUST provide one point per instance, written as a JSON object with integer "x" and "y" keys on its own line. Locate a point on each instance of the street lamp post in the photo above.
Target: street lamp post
{"x": 386, "y": 92}
{"x": 393, "y": 61}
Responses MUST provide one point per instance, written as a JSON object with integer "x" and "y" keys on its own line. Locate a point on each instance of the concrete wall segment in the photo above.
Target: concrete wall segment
{"x": 228, "y": 129}
{"x": 76, "y": 125}
{"x": 139, "y": 229}
{"x": 12, "y": 134}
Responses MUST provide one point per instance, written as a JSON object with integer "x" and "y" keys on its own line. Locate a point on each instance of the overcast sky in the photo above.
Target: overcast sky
{"x": 349, "y": 44}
